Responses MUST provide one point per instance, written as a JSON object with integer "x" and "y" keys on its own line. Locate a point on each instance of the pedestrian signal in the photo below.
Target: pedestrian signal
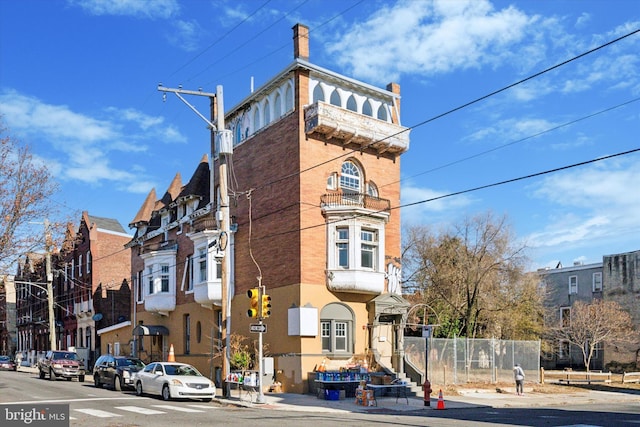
{"x": 254, "y": 295}
{"x": 266, "y": 305}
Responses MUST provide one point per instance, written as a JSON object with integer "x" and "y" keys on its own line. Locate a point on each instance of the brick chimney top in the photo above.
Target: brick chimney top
{"x": 301, "y": 42}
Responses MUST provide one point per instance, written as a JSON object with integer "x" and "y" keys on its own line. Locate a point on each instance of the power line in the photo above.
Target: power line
{"x": 424, "y": 122}
{"x": 482, "y": 187}
{"x": 473, "y": 156}
{"x": 219, "y": 39}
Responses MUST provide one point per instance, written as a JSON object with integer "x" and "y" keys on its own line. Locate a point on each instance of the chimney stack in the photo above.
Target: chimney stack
{"x": 301, "y": 42}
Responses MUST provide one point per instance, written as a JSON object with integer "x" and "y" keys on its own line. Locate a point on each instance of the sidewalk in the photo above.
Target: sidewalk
{"x": 468, "y": 398}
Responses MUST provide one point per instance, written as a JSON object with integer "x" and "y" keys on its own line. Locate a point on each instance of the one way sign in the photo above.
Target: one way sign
{"x": 257, "y": 327}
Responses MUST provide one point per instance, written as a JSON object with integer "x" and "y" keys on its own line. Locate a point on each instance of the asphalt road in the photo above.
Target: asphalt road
{"x": 90, "y": 406}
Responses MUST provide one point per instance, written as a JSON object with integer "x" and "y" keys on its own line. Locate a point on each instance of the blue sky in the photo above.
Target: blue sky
{"x": 78, "y": 82}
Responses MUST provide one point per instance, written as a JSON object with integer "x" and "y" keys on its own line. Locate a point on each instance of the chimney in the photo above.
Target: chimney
{"x": 301, "y": 42}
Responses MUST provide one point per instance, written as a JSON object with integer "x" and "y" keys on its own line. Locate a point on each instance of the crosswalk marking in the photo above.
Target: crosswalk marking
{"x": 140, "y": 410}
{"x": 177, "y": 408}
{"x": 98, "y": 413}
{"x": 201, "y": 406}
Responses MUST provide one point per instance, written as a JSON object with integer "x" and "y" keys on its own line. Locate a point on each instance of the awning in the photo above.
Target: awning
{"x": 150, "y": 330}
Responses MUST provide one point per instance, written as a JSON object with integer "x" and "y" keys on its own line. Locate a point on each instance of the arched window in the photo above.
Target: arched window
{"x": 336, "y": 326}
{"x": 318, "y": 94}
{"x": 366, "y": 109}
{"x": 277, "y": 106}
{"x": 256, "y": 120}
{"x": 238, "y": 132}
{"x": 288, "y": 99}
{"x": 335, "y": 98}
{"x": 372, "y": 189}
{"x": 267, "y": 113}
{"x": 382, "y": 112}
{"x": 351, "y": 104}
{"x": 350, "y": 177}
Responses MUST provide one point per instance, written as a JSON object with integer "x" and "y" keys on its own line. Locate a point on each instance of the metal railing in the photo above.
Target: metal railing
{"x": 359, "y": 200}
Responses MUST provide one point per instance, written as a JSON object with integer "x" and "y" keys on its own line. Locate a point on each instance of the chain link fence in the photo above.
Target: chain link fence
{"x": 463, "y": 360}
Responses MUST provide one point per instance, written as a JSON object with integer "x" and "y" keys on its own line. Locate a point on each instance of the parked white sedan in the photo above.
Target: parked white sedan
{"x": 173, "y": 380}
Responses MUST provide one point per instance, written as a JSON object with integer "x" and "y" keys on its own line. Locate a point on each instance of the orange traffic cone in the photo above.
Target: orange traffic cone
{"x": 440, "y": 401}
{"x": 172, "y": 355}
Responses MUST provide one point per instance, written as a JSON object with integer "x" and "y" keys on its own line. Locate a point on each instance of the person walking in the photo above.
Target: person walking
{"x": 518, "y": 376}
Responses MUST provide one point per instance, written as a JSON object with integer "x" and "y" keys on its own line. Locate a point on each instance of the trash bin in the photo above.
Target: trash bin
{"x": 331, "y": 394}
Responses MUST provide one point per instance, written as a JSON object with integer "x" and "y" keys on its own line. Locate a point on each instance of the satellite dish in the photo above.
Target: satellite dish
{"x": 97, "y": 317}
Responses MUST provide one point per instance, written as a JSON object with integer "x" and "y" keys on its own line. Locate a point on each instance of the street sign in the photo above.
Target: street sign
{"x": 257, "y": 327}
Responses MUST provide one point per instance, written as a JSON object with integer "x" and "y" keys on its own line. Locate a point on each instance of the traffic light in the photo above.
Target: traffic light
{"x": 266, "y": 306}
{"x": 254, "y": 295}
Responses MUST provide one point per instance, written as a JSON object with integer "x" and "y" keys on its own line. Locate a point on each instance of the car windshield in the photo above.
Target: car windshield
{"x": 68, "y": 356}
{"x": 181, "y": 370}
{"x": 130, "y": 362}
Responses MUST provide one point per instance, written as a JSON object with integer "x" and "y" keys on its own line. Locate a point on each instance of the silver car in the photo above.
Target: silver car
{"x": 173, "y": 380}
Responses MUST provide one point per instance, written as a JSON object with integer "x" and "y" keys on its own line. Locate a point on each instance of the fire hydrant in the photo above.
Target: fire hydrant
{"x": 426, "y": 387}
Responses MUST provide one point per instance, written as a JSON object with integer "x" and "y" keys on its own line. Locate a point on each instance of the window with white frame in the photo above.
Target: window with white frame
{"x": 140, "y": 287}
{"x": 88, "y": 262}
{"x": 202, "y": 265}
{"x": 164, "y": 278}
{"x": 564, "y": 350}
{"x": 150, "y": 289}
{"x": 597, "y": 282}
{"x": 342, "y": 246}
{"x": 80, "y": 265}
{"x": 336, "y": 330}
{"x": 368, "y": 248}
{"x": 164, "y": 221}
{"x": 573, "y": 284}
{"x": 565, "y": 317}
{"x": 350, "y": 178}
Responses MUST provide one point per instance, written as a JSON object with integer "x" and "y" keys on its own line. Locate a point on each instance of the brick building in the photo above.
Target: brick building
{"x": 91, "y": 289}
{"x": 314, "y": 178}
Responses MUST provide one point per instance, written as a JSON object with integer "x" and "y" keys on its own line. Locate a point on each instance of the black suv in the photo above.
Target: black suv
{"x": 116, "y": 371}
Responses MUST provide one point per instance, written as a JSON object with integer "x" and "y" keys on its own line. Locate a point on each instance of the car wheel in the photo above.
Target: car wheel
{"x": 166, "y": 394}
{"x": 117, "y": 385}
{"x": 52, "y": 376}
{"x": 96, "y": 381}
{"x": 81, "y": 378}
{"x": 41, "y": 374}
{"x": 139, "y": 391}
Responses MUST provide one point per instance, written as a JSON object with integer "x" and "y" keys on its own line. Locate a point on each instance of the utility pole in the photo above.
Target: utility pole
{"x": 224, "y": 140}
{"x": 52, "y": 320}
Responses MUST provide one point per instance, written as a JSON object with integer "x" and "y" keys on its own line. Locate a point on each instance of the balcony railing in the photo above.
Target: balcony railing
{"x": 356, "y": 200}
{"x": 349, "y": 127}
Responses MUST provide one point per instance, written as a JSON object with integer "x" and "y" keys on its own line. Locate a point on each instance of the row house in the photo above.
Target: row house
{"x": 8, "y": 338}
{"x": 313, "y": 189}
{"x": 91, "y": 289}
{"x": 616, "y": 278}
{"x": 565, "y": 286}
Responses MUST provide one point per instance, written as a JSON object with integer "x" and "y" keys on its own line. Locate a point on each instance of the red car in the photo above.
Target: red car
{"x": 7, "y": 363}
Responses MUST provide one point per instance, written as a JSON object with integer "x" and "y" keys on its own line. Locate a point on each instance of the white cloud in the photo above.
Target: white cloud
{"x": 151, "y": 9}
{"x": 428, "y": 38}
{"x": 590, "y": 204}
{"x": 83, "y": 148}
{"x": 185, "y": 35}
{"x": 426, "y": 209}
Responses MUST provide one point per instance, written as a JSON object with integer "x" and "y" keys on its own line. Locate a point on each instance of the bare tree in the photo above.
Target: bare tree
{"x": 591, "y": 325}
{"x": 25, "y": 184}
{"x": 474, "y": 277}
